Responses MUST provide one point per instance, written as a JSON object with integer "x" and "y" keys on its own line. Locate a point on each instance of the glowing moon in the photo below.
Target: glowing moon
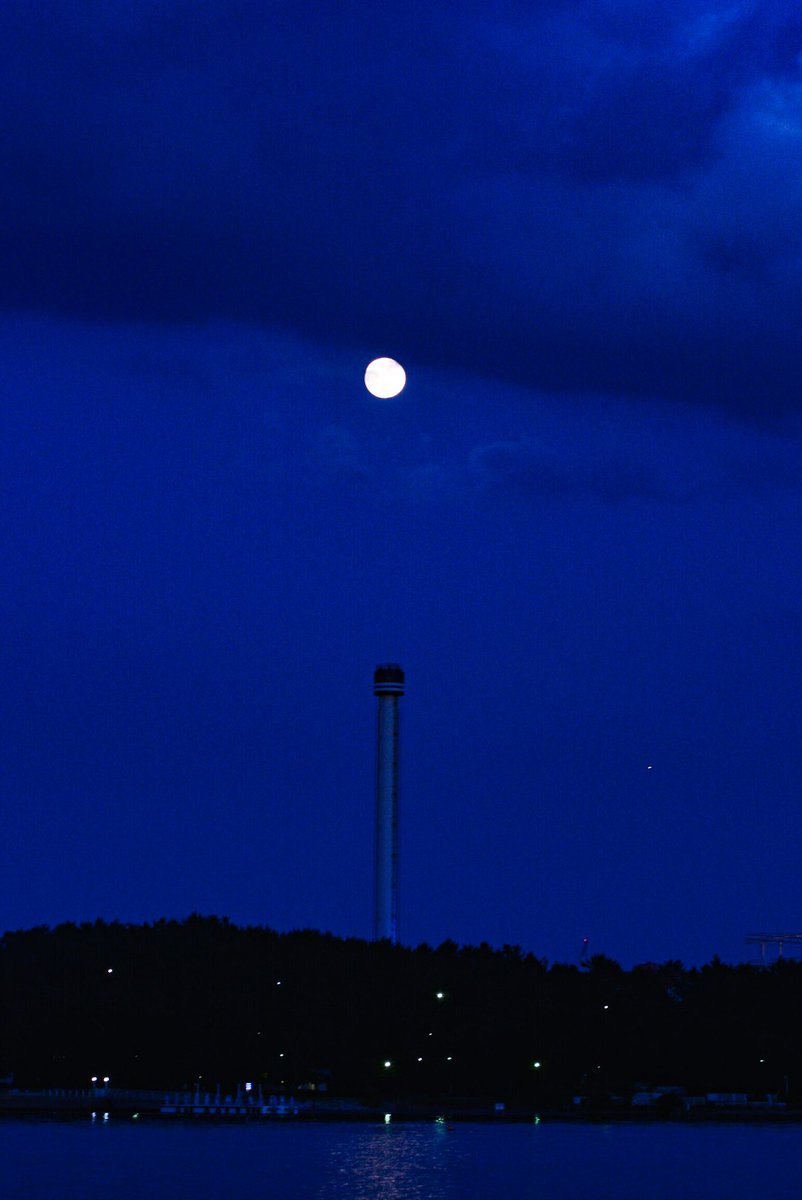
{"x": 385, "y": 378}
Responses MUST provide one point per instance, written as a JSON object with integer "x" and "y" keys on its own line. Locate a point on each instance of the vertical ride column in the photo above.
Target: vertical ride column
{"x": 388, "y": 687}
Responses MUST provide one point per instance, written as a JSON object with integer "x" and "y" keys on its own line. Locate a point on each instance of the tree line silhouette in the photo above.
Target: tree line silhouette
{"x": 202, "y": 1001}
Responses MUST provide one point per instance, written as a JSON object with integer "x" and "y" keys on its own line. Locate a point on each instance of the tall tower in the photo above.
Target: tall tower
{"x": 388, "y": 686}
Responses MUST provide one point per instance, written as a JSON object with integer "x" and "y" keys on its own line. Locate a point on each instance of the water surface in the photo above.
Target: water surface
{"x": 136, "y": 1160}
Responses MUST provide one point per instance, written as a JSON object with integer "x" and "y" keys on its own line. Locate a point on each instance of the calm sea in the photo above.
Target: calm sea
{"x": 129, "y": 1160}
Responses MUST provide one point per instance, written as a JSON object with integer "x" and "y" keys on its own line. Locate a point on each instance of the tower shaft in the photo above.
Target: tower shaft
{"x": 388, "y": 688}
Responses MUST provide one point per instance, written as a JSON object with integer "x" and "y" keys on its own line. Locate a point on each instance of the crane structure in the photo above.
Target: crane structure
{"x": 773, "y": 939}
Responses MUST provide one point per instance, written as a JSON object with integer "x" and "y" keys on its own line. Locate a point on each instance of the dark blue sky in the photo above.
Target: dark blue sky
{"x": 579, "y": 227}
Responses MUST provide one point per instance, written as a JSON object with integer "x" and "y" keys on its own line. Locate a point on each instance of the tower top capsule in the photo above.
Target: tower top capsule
{"x": 388, "y": 680}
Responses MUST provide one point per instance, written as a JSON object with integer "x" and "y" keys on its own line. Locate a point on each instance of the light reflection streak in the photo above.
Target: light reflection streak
{"x": 395, "y": 1162}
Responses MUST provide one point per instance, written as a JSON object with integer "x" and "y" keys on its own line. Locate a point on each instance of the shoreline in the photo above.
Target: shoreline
{"x": 66, "y": 1105}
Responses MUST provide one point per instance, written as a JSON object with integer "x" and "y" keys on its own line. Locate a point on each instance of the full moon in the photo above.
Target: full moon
{"x": 385, "y": 378}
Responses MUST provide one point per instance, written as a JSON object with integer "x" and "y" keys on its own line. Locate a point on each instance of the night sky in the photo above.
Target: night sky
{"x": 579, "y": 227}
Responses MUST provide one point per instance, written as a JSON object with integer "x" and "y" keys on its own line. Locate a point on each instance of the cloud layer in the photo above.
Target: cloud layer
{"x": 599, "y": 196}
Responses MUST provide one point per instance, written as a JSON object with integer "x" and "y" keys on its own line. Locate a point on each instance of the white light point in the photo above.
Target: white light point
{"x": 385, "y": 378}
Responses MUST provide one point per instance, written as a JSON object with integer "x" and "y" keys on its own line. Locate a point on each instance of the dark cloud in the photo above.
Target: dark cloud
{"x": 524, "y": 469}
{"x": 668, "y": 76}
{"x": 599, "y": 196}
{"x": 778, "y": 468}
{"x": 532, "y": 471}
{"x": 337, "y": 457}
